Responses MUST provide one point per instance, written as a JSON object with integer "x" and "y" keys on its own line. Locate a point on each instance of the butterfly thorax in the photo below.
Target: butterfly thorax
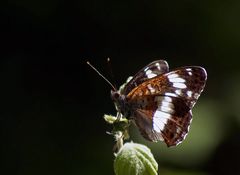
{"x": 120, "y": 103}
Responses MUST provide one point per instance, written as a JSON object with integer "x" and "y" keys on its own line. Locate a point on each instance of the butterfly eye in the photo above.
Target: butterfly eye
{"x": 115, "y": 95}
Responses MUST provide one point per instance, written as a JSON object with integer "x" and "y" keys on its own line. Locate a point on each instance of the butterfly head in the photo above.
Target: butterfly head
{"x": 117, "y": 96}
{"x": 119, "y": 101}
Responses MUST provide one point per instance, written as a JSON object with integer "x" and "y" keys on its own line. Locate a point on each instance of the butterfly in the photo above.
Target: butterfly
{"x": 160, "y": 101}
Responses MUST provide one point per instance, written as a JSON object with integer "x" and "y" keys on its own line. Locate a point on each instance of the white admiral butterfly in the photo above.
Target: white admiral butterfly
{"x": 160, "y": 102}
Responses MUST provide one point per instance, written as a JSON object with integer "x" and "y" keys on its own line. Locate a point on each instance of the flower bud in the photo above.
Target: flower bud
{"x": 135, "y": 159}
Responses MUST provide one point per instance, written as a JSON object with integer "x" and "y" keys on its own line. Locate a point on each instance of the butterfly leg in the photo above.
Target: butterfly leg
{"x": 119, "y": 116}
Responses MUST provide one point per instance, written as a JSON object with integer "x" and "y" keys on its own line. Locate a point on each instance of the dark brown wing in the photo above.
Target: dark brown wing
{"x": 162, "y": 105}
{"x": 152, "y": 70}
{"x": 186, "y": 83}
{"x": 163, "y": 118}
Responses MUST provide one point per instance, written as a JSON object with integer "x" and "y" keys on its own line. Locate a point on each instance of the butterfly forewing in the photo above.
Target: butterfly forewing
{"x": 152, "y": 70}
{"x": 186, "y": 83}
{"x": 162, "y": 105}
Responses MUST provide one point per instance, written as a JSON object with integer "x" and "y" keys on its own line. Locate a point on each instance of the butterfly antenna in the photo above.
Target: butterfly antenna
{"x": 111, "y": 71}
{"x": 101, "y": 75}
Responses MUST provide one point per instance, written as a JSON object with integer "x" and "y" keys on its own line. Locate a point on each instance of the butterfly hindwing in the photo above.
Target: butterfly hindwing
{"x": 152, "y": 70}
{"x": 163, "y": 118}
{"x": 175, "y": 133}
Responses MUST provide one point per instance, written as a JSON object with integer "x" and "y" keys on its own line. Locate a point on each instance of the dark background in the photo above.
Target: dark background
{"x": 52, "y": 103}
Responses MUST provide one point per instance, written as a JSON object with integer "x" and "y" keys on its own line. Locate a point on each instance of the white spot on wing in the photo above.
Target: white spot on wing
{"x": 179, "y": 85}
{"x": 189, "y": 70}
{"x": 177, "y": 80}
{"x": 158, "y": 66}
{"x": 159, "y": 120}
{"x": 168, "y": 99}
{"x": 170, "y": 94}
{"x": 189, "y": 93}
{"x": 163, "y": 100}
{"x": 150, "y": 88}
{"x": 178, "y": 91}
{"x": 196, "y": 95}
{"x": 167, "y": 109}
{"x": 173, "y": 76}
{"x": 179, "y": 130}
{"x": 148, "y": 71}
{"x": 167, "y": 104}
{"x": 150, "y": 74}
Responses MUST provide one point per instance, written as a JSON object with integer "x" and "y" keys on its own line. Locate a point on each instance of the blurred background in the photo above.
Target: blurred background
{"x": 52, "y": 103}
